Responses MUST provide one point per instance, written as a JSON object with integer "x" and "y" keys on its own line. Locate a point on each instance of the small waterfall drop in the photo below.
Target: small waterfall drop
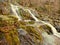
{"x": 52, "y": 28}
{"x": 15, "y": 10}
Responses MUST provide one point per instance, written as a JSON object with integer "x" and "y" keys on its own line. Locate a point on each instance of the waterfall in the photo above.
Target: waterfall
{"x": 32, "y": 15}
{"x": 15, "y": 11}
{"x": 52, "y": 28}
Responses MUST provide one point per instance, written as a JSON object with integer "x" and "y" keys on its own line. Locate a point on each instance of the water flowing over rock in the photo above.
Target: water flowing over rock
{"x": 23, "y": 27}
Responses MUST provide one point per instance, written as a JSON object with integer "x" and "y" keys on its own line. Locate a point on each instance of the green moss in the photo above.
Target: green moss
{"x": 1, "y": 35}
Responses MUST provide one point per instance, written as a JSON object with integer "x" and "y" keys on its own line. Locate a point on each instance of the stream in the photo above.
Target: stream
{"x": 50, "y": 38}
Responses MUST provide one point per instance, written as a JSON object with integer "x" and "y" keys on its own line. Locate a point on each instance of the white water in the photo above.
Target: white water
{"x": 15, "y": 9}
{"x": 32, "y": 15}
{"x": 48, "y": 39}
{"x": 52, "y": 28}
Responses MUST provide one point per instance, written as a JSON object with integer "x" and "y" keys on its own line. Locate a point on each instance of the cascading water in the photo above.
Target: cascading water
{"x": 52, "y": 28}
{"x": 15, "y": 11}
{"x": 45, "y": 35}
